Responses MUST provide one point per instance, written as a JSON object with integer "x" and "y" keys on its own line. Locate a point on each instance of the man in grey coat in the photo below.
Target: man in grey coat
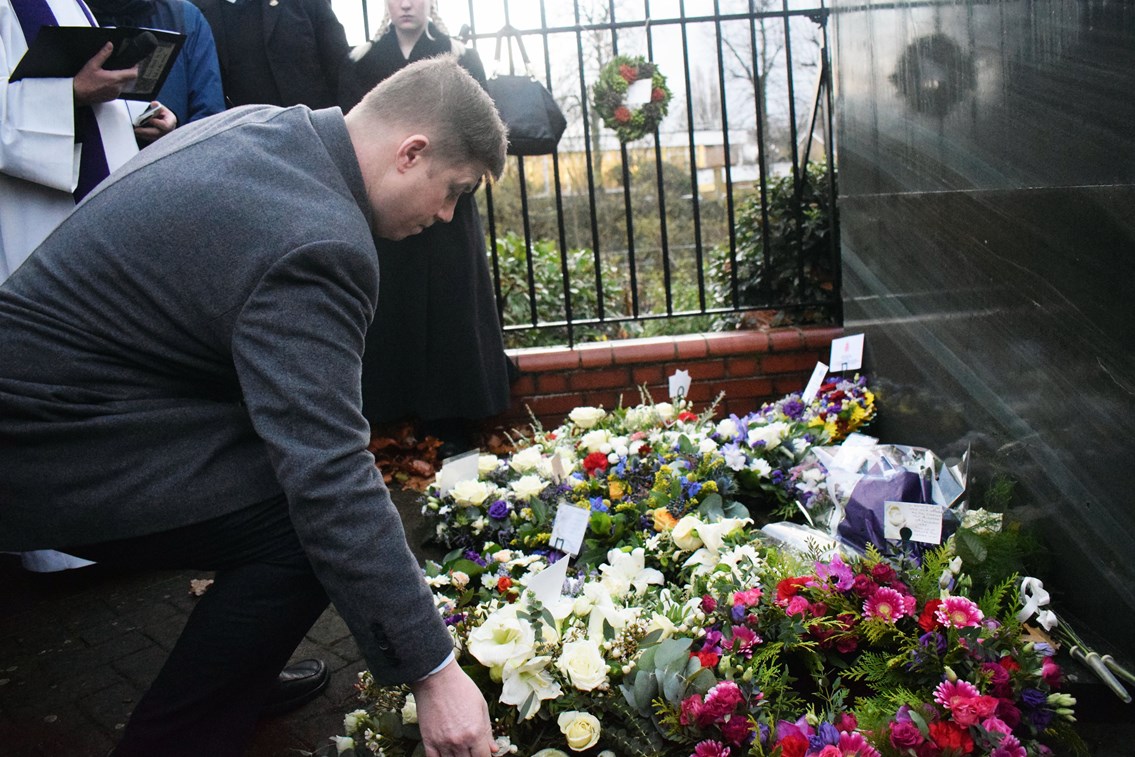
{"x": 180, "y": 387}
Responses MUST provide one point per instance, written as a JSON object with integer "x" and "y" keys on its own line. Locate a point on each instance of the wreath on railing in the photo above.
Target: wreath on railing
{"x": 609, "y": 93}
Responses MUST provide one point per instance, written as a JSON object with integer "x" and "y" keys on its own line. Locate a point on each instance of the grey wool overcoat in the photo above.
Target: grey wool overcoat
{"x": 189, "y": 342}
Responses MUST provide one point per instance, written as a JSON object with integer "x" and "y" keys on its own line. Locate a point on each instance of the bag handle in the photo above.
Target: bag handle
{"x": 511, "y": 32}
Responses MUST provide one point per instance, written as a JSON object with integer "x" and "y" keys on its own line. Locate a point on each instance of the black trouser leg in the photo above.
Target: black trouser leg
{"x": 240, "y": 635}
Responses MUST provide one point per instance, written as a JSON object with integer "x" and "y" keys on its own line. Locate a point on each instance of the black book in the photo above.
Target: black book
{"x": 61, "y": 51}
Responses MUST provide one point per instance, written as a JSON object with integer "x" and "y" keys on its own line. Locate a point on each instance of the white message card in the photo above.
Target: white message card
{"x": 679, "y": 385}
{"x": 569, "y": 528}
{"x": 847, "y": 353}
{"x": 456, "y": 469}
{"x": 912, "y": 521}
{"x": 818, "y": 374}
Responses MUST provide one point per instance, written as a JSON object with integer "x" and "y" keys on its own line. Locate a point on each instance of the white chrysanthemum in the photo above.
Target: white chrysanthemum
{"x": 587, "y": 417}
{"x": 707, "y": 445}
{"x": 761, "y": 467}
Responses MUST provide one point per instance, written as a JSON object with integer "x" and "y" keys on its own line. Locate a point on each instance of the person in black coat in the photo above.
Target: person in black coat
{"x": 277, "y": 52}
{"x": 436, "y": 352}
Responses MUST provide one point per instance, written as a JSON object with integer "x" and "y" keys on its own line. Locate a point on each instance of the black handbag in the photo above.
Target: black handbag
{"x": 535, "y": 122}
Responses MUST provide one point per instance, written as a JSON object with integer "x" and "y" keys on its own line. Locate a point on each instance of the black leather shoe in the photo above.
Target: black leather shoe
{"x": 297, "y": 685}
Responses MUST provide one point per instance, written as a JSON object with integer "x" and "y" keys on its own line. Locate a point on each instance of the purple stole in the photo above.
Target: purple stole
{"x": 34, "y": 14}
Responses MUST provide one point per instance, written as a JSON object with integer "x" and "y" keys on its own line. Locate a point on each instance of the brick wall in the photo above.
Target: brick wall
{"x": 750, "y": 367}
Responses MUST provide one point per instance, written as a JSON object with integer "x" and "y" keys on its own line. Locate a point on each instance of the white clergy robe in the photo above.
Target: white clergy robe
{"x": 39, "y": 155}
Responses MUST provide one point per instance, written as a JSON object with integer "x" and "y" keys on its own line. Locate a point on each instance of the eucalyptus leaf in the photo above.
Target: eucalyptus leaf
{"x": 671, "y": 650}
{"x": 711, "y": 507}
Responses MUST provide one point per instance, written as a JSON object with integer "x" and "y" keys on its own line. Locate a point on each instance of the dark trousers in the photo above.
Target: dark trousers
{"x": 265, "y": 597}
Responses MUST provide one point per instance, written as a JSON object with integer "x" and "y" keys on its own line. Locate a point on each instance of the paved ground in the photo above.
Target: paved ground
{"x": 77, "y": 649}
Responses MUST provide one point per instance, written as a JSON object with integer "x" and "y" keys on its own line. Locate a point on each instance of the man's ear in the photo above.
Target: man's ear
{"x": 410, "y": 151}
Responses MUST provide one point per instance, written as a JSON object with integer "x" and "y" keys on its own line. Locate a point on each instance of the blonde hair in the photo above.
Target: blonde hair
{"x": 439, "y": 97}
{"x": 435, "y": 19}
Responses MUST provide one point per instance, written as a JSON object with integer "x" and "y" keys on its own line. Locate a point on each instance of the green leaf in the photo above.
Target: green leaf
{"x": 600, "y": 523}
{"x": 671, "y": 650}
{"x": 711, "y": 507}
{"x": 469, "y": 567}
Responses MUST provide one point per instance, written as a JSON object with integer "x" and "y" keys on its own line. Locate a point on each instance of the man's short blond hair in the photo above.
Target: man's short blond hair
{"x": 441, "y": 100}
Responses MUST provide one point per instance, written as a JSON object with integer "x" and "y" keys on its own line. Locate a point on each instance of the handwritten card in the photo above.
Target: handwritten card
{"x": 569, "y": 528}
{"x": 912, "y": 521}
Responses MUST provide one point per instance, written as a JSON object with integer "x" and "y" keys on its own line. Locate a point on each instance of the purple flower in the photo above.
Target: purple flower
{"x": 475, "y": 557}
{"x": 454, "y": 619}
{"x": 597, "y": 505}
{"x": 793, "y": 408}
{"x": 499, "y": 510}
{"x": 1033, "y": 697}
{"x": 826, "y": 734}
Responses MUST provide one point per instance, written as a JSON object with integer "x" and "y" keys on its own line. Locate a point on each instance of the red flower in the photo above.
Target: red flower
{"x": 504, "y": 583}
{"x": 622, "y": 114}
{"x": 793, "y": 745}
{"x": 595, "y": 463}
{"x": 686, "y": 415}
{"x": 951, "y": 737}
{"x": 707, "y": 659}
{"x": 629, "y": 73}
{"x": 927, "y": 621}
{"x": 708, "y": 604}
{"x": 657, "y": 95}
{"x": 788, "y": 588}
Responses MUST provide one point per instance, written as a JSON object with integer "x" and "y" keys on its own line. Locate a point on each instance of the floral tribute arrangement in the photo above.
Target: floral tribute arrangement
{"x": 682, "y": 629}
{"x": 630, "y": 121}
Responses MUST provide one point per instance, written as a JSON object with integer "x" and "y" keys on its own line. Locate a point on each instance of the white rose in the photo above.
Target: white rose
{"x": 526, "y": 459}
{"x": 471, "y": 492}
{"x": 528, "y": 486}
{"x": 727, "y": 429}
{"x": 707, "y": 445}
{"x": 770, "y": 435}
{"x": 579, "y": 728}
{"x": 410, "y": 710}
{"x": 487, "y": 464}
{"x": 665, "y": 411}
{"x": 587, "y": 417}
{"x": 583, "y": 664}
{"x": 460, "y": 579}
{"x": 351, "y": 720}
{"x": 685, "y": 533}
{"x": 343, "y": 743}
{"x": 503, "y": 555}
{"x": 581, "y": 607}
{"x": 596, "y": 441}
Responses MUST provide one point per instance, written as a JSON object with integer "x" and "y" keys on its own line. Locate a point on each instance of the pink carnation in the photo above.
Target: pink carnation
{"x": 747, "y": 598}
{"x": 958, "y": 612}
{"x": 720, "y": 701}
{"x": 885, "y": 603}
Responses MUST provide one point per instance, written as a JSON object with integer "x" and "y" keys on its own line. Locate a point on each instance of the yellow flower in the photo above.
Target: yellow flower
{"x": 618, "y": 490}
{"x": 663, "y": 520}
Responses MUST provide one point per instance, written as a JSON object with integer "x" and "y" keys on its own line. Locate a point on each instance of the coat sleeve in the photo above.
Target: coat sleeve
{"x": 297, "y": 346}
{"x": 37, "y": 118}
{"x": 206, "y": 94}
{"x": 331, "y": 41}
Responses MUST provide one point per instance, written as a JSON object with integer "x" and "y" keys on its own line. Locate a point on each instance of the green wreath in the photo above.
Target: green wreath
{"x": 610, "y": 91}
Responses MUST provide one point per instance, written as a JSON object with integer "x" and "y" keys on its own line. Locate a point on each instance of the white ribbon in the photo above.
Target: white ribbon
{"x": 1034, "y": 596}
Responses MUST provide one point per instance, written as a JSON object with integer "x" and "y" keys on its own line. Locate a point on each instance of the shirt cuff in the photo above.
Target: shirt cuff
{"x": 448, "y": 659}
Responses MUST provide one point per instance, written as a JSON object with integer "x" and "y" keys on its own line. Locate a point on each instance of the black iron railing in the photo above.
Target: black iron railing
{"x": 606, "y": 239}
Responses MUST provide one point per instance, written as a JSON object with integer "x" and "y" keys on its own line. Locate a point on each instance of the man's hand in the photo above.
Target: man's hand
{"x": 452, "y": 715}
{"x": 94, "y": 84}
{"x": 160, "y": 124}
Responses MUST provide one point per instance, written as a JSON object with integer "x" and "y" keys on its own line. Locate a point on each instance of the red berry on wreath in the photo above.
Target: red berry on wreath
{"x": 622, "y": 114}
{"x": 629, "y": 73}
{"x": 657, "y": 95}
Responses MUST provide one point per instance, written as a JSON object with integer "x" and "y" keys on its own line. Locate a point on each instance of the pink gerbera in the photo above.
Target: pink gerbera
{"x": 885, "y": 603}
{"x": 854, "y": 744}
{"x": 1010, "y": 746}
{"x": 958, "y": 612}
{"x": 711, "y": 749}
{"x": 950, "y": 691}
